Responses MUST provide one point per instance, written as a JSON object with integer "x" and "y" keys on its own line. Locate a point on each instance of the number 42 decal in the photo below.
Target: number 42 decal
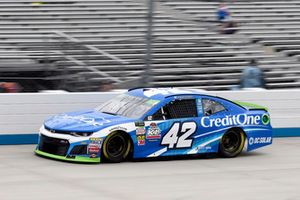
{"x": 178, "y": 136}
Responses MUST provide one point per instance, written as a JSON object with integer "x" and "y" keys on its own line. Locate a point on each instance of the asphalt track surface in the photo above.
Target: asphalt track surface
{"x": 269, "y": 173}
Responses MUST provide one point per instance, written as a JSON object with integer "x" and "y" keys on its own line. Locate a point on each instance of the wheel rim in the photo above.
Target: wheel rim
{"x": 231, "y": 142}
{"x": 116, "y": 146}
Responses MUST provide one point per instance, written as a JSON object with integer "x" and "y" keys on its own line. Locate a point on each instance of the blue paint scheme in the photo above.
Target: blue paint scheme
{"x": 255, "y": 134}
{"x": 209, "y": 129}
{"x": 32, "y": 138}
{"x": 88, "y": 121}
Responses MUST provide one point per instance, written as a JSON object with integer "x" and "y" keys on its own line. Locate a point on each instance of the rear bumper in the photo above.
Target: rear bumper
{"x": 81, "y": 159}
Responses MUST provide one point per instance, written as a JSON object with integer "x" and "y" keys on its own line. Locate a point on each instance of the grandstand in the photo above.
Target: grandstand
{"x": 76, "y": 45}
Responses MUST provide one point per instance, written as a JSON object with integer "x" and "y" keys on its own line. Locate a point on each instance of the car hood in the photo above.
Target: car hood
{"x": 83, "y": 121}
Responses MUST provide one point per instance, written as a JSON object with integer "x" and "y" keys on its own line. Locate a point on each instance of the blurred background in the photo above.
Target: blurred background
{"x": 104, "y": 45}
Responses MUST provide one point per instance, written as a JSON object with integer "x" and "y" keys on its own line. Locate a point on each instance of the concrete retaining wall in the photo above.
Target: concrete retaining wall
{"x": 22, "y": 114}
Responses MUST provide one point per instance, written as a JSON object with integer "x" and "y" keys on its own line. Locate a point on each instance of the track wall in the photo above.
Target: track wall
{"x": 22, "y": 114}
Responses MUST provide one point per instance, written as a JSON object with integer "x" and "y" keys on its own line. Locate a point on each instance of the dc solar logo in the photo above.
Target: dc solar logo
{"x": 251, "y": 140}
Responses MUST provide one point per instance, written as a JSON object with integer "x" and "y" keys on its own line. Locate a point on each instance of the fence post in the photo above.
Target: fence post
{"x": 147, "y": 75}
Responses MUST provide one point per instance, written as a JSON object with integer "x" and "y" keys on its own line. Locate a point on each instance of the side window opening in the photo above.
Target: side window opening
{"x": 158, "y": 115}
{"x": 181, "y": 108}
{"x": 184, "y": 108}
{"x": 211, "y": 107}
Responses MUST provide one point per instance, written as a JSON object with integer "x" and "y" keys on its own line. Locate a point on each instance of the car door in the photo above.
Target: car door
{"x": 170, "y": 130}
{"x": 210, "y": 112}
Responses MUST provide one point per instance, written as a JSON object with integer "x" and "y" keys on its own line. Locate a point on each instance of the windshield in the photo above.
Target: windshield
{"x": 127, "y": 106}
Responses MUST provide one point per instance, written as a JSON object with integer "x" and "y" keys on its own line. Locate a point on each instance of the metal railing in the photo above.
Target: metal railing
{"x": 120, "y": 82}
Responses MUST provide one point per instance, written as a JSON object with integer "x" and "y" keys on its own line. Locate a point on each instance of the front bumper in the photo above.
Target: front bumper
{"x": 72, "y": 159}
{"x": 69, "y": 148}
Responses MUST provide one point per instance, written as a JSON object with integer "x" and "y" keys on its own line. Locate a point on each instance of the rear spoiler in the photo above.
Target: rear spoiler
{"x": 251, "y": 106}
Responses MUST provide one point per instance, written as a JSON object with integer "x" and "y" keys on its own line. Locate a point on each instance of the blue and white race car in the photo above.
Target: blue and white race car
{"x": 149, "y": 122}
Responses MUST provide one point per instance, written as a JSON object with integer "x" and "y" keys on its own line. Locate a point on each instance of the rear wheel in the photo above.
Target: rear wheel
{"x": 232, "y": 143}
{"x": 116, "y": 147}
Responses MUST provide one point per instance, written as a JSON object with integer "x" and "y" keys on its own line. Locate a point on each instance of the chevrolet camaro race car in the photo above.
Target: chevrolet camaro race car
{"x": 149, "y": 122}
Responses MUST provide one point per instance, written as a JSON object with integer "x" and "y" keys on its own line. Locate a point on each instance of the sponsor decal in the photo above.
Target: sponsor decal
{"x": 96, "y": 140}
{"x": 118, "y": 128}
{"x": 87, "y": 120}
{"x": 94, "y": 146}
{"x": 184, "y": 97}
{"x": 203, "y": 148}
{"x": 153, "y": 132}
{"x": 199, "y": 107}
{"x": 140, "y": 131}
{"x": 265, "y": 119}
{"x": 153, "y": 92}
{"x": 93, "y": 155}
{"x": 139, "y": 123}
{"x": 242, "y": 119}
{"x": 141, "y": 140}
{"x": 259, "y": 140}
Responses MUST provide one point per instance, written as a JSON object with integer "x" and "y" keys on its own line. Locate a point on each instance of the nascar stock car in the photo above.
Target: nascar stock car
{"x": 153, "y": 122}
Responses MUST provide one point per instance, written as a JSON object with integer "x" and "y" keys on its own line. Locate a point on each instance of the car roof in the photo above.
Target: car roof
{"x": 162, "y": 93}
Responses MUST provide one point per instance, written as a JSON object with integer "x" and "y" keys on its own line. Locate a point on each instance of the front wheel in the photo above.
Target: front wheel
{"x": 116, "y": 147}
{"x": 232, "y": 143}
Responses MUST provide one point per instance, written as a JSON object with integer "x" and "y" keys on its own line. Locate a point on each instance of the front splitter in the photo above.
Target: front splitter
{"x": 75, "y": 159}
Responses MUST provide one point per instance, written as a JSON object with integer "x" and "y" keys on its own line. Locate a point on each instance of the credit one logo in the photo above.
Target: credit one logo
{"x": 242, "y": 119}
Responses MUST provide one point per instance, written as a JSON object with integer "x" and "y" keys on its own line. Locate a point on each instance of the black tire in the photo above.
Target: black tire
{"x": 116, "y": 147}
{"x": 232, "y": 143}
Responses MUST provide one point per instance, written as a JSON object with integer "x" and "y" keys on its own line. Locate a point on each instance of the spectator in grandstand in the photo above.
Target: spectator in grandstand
{"x": 37, "y": 3}
{"x": 2, "y": 89}
{"x": 229, "y": 26}
{"x": 106, "y": 86}
{"x": 222, "y": 12}
{"x": 10, "y": 87}
{"x": 252, "y": 77}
